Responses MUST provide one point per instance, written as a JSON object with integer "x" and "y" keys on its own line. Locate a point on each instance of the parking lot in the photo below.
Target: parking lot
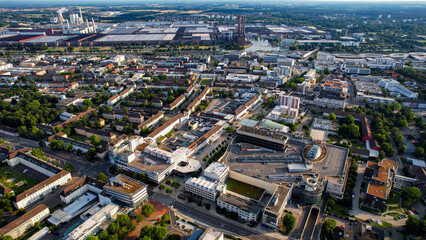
{"x": 275, "y": 163}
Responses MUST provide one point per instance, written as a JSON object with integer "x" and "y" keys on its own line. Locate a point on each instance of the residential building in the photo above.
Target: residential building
{"x": 20, "y": 225}
{"x": 150, "y": 122}
{"x": 176, "y": 103}
{"x": 57, "y": 177}
{"x": 289, "y": 101}
{"x": 241, "y": 110}
{"x": 166, "y": 127}
{"x": 380, "y": 180}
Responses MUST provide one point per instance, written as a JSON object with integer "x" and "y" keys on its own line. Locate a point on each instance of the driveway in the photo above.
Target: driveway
{"x": 366, "y": 215}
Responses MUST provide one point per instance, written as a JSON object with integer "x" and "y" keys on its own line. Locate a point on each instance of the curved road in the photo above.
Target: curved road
{"x": 218, "y": 222}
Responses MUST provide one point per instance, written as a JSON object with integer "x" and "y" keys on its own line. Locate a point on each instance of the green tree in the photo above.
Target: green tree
{"x": 349, "y": 119}
{"x": 419, "y": 152}
{"x": 353, "y": 131}
{"x": 91, "y": 154}
{"x": 169, "y": 190}
{"x": 416, "y": 226}
{"x": 332, "y": 116}
{"x": 409, "y": 195}
{"x": 230, "y": 129}
{"x": 328, "y": 229}
{"x": 68, "y": 147}
{"x": 102, "y": 177}
{"x": 139, "y": 218}
{"x": 92, "y": 238}
{"x": 147, "y": 210}
{"x": 69, "y": 167}
{"x": 37, "y": 153}
{"x": 289, "y": 221}
{"x": 95, "y": 140}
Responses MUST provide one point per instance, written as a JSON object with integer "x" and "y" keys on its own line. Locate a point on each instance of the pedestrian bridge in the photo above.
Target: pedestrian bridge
{"x": 406, "y": 179}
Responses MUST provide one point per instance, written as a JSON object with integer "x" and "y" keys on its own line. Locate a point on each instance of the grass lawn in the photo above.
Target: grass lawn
{"x": 244, "y": 189}
{"x": 340, "y": 210}
{"x": 358, "y": 144}
{"x": 77, "y": 137}
{"x": 205, "y": 82}
{"x": 16, "y": 180}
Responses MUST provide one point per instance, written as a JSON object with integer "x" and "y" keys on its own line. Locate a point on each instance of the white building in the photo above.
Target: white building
{"x": 211, "y": 234}
{"x": 216, "y": 172}
{"x": 57, "y": 177}
{"x": 204, "y": 188}
{"x": 289, "y": 101}
{"x": 20, "y": 225}
{"x": 127, "y": 190}
{"x": 170, "y": 157}
{"x": 241, "y": 77}
{"x": 91, "y": 225}
{"x": 394, "y": 86}
{"x": 80, "y": 187}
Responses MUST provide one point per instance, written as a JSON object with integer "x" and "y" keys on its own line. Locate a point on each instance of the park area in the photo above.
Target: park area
{"x": 244, "y": 189}
{"x": 16, "y": 180}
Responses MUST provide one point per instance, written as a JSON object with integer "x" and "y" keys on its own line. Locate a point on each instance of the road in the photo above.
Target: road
{"x": 218, "y": 222}
{"x": 209, "y": 219}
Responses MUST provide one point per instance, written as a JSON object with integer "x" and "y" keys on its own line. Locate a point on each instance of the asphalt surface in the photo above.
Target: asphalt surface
{"x": 218, "y": 222}
{"x": 209, "y": 219}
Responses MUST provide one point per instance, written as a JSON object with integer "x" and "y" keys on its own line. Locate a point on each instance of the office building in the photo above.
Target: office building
{"x": 127, "y": 190}
{"x": 204, "y": 188}
{"x": 216, "y": 172}
{"x": 247, "y": 211}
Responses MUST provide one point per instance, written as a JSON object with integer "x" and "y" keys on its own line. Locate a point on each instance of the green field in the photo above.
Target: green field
{"x": 244, "y": 189}
{"x": 16, "y": 180}
{"x": 205, "y": 82}
{"x": 77, "y": 137}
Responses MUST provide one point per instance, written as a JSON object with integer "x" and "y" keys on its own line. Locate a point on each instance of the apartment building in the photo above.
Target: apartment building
{"x": 380, "y": 180}
{"x": 57, "y": 177}
{"x": 20, "y": 225}
{"x": 150, "y": 122}
{"x": 166, "y": 127}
